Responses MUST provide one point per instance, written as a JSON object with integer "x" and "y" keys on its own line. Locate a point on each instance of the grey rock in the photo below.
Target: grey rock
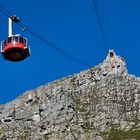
{"x": 101, "y": 103}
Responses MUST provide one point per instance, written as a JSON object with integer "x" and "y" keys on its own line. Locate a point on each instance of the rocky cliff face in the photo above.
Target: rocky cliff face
{"x": 101, "y": 103}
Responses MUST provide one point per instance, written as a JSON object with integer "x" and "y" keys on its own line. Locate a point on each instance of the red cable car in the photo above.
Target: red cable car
{"x": 15, "y": 48}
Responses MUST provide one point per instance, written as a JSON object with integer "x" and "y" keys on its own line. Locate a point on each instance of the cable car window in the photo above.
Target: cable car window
{"x": 9, "y": 39}
{"x": 21, "y": 40}
{"x": 15, "y": 38}
{"x": 2, "y": 44}
{"x": 25, "y": 41}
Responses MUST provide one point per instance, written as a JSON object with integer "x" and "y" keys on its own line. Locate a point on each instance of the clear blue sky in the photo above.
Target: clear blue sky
{"x": 72, "y": 26}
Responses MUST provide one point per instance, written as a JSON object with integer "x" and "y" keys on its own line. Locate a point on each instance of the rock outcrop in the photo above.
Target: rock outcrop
{"x": 101, "y": 103}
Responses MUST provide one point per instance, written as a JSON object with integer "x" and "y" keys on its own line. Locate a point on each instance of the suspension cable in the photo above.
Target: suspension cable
{"x": 100, "y": 24}
{"x": 44, "y": 40}
{"x": 52, "y": 45}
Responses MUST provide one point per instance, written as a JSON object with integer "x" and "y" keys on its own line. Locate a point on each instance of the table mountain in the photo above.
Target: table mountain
{"x": 101, "y": 103}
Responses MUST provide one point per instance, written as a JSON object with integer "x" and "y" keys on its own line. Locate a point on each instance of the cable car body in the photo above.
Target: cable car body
{"x": 15, "y": 48}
